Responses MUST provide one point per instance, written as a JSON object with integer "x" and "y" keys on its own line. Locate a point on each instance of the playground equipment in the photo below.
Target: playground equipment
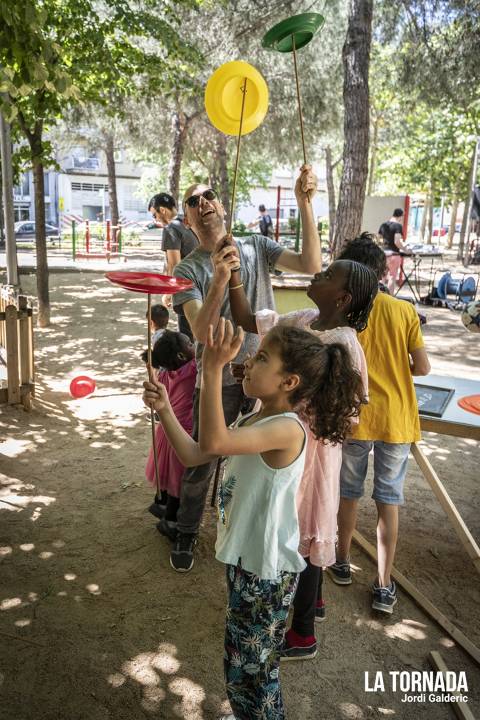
{"x": 16, "y": 349}
{"x": 287, "y": 202}
{"x": 94, "y": 248}
{"x": 151, "y": 284}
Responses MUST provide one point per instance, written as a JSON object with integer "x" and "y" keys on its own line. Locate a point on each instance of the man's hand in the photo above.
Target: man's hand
{"x": 167, "y": 300}
{"x": 222, "y": 347}
{"x": 224, "y": 260}
{"x": 306, "y": 185}
{"x": 155, "y": 395}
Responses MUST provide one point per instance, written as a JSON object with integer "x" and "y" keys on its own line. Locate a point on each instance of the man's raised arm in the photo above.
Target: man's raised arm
{"x": 309, "y": 261}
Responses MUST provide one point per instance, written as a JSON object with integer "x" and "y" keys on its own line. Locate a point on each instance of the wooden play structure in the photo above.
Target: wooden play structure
{"x": 17, "y": 380}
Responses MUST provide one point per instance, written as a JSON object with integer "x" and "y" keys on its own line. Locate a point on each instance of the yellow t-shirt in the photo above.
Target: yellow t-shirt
{"x": 393, "y": 332}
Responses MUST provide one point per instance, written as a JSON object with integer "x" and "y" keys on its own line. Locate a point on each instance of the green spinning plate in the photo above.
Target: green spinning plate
{"x": 301, "y": 27}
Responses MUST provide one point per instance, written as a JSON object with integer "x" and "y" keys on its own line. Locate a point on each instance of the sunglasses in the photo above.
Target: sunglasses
{"x": 194, "y": 200}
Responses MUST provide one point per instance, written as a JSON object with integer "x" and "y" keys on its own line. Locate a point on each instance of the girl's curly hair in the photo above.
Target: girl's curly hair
{"x": 330, "y": 391}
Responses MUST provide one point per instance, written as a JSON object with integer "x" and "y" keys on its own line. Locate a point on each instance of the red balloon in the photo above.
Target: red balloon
{"x": 82, "y": 386}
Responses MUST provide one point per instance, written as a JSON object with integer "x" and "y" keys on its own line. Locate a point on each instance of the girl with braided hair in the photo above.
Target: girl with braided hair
{"x": 344, "y": 295}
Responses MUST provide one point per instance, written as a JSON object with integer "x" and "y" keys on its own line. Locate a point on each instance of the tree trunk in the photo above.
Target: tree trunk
{"x": 373, "y": 157}
{"x": 423, "y": 224}
{"x": 429, "y": 227}
{"x": 331, "y": 195}
{"x": 179, "y": 131}
{"x": 112, "y": 187}
{"x": 221, "y": 164}
{"x": 468, "y": 199}
{"x": 356, "y": 60}
{"x": 453, "y": 218}
{"x": 40, "y": 239}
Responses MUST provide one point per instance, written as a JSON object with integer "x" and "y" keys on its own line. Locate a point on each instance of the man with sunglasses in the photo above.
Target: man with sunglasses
{"x": 209, "y": 267}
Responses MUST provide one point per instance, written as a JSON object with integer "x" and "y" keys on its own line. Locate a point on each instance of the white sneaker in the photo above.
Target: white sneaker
{"x": 228, "y": 717}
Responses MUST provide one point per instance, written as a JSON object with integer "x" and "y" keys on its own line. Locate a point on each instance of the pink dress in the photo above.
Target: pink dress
{"x": 318, "y": 496}
{"x": 180, "y": 385}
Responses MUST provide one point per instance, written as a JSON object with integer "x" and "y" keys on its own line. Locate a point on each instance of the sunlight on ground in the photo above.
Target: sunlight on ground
{"x": 118, "y": 409}
{"x": 148, "y": 669}
{"x": 406, "y": 630}
{"x": 351, "y": 711}
{"x": 12, "y": 448}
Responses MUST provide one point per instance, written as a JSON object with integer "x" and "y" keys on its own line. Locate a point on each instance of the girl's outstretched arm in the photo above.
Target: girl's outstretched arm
{"x": 186, "y": 448}
{"x": 239, "y": 304}
{"x": 215, "y": 437}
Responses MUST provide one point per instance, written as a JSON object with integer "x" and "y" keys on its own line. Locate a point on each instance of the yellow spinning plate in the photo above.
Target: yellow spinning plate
{"x": 224, "y": 96}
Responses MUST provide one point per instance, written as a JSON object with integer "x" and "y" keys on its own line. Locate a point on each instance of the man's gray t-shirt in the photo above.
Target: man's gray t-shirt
{"x": 177, "y": 236}
{"x": 258, "y": 256}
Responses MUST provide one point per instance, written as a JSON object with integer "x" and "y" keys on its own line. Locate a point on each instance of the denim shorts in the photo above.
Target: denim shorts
{"x": 390, "y": 462}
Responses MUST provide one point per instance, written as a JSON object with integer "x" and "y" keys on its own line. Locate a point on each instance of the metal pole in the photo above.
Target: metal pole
{"x": 7, "y": 191}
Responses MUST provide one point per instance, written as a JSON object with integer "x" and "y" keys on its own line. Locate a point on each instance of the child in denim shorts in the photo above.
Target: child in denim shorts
{"x": 394, "y": 350}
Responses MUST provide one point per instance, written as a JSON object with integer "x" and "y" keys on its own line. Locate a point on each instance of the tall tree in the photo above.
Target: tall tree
{"x": 55, "y": 55}
{"x": 356, "y": 60}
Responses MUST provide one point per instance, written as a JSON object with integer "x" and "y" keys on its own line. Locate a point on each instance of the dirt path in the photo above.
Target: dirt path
{"x": 95, "y": 625}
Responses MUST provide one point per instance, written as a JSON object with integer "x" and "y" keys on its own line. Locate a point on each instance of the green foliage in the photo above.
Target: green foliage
{"x": 424, "y": 94}
{"x": 54, "y": 55}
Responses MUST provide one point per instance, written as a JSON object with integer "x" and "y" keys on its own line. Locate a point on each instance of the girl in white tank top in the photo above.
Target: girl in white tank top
{"x": 258, "y": 525}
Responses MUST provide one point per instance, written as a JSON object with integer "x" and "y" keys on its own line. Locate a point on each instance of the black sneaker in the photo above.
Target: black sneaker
{"x": 158, "y": 510}
{"x": 181, "y": 557}
{"x": 296, "y": 647}
{"x": 168, "y": 528}
{"x": 384, "y": 598}
{"x": 320, "y": 611}
{"x": 340, "y": 573}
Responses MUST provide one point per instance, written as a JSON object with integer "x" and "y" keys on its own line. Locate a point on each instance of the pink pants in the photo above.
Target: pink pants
{"x": 393, "y": 275}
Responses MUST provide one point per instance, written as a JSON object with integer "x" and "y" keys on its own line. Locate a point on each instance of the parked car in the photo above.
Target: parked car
{"x": 25, "y": 231}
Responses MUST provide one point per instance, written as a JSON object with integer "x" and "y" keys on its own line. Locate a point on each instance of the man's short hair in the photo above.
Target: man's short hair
{"x": 398, "y": 212}
{"x": 365, "y": 250}
{"x": 261, "y": 208}
{"x": 162, "y": 200}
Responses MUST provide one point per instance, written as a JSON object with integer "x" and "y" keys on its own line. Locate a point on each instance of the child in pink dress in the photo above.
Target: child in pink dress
{"x": 174, "y": 354}
{"x": 344, "y": 295}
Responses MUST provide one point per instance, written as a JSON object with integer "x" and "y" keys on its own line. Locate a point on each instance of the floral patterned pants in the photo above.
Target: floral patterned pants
{"x": 256, "y": 616}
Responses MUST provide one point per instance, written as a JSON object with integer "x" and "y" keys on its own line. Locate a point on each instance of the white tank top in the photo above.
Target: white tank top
{"x": 258, "y": 522}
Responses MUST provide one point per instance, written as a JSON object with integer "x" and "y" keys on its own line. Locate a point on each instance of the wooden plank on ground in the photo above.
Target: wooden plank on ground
{"x": 448, "y": 505}
{"x": 424, "y": 602}
{"x": 460, "y": 709}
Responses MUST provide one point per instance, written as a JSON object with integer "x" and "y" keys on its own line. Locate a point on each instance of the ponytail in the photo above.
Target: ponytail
{"x": 336, "y": 396}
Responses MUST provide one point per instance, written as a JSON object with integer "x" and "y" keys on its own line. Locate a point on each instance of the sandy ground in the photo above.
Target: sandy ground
{"x": 94, "y": 625}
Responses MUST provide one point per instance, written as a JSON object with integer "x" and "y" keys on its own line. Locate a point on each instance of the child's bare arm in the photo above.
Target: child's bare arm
{"x": 186, "y": 448}
{"x": 239, "y": 305}
{"x": 215, "y": 437}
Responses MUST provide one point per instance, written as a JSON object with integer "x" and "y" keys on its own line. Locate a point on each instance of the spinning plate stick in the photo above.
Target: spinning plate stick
{"x": 289, "y": 36}
{"x": 236, "y": 101}
{"x": 151, "y": 284}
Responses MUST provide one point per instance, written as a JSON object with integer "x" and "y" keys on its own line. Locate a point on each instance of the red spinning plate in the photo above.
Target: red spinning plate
{"x": 150, "y": 283}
